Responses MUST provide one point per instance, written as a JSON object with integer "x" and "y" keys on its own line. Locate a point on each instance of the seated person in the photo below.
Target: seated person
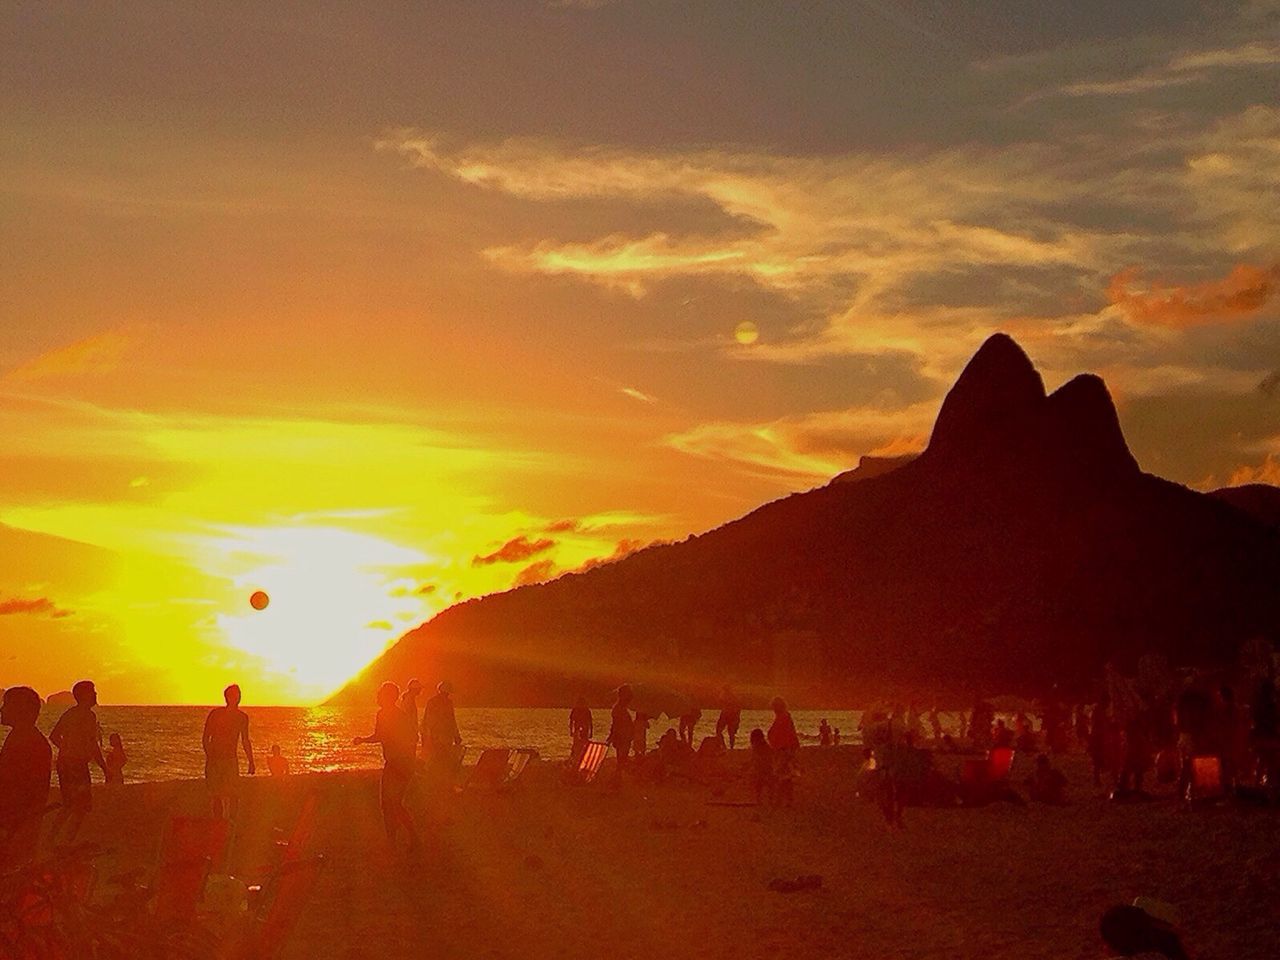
{"x": 1047, "y": 784}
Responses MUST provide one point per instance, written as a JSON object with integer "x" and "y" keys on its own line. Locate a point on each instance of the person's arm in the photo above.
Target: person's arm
{"x": 376, "y": 736}
{"x": 591, "y": 725}
{"x": 57, "y": 733}
{"x": 453, "y": 722}
{"x": 248, "y": 747}
{"x": 204, "y": 737}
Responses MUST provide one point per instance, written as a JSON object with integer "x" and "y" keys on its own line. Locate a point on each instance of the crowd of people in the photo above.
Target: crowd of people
{"x": 1156, "y": 725}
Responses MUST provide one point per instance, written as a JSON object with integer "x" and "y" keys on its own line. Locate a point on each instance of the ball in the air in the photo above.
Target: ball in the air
{"x": 259, "y": 600}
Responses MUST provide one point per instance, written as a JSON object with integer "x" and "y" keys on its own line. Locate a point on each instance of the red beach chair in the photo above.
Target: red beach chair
{"x": 999, "y": 763}
{"x": 291, "y": 892}
{"x": 490, "y": 769}
{"x": 593, "y": 753}
{"x": 295, "y": 846}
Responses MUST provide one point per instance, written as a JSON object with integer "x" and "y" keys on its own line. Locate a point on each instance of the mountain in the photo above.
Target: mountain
{"x": 1023, "y": 549}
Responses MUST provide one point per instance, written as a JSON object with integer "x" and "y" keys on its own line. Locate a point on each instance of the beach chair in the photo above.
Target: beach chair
{"x": 1205, "y": 785}
{"x": 517, "y": 763}
{"x": 985, "y": 779}
{"x": 294, "y": 846}
{"x": 288, "y": 894}
{"x": 588, "y": 766}
{"x": 999, "y": 763}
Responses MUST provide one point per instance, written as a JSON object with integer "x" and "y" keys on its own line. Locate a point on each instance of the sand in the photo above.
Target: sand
{"x": 657, "y": 873}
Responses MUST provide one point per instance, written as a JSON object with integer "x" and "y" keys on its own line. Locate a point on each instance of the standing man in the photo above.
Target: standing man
{"x": 79, "y": 743}
{"x": 395, "y": 729}
{"x": 622, "y": 729}
{"x": 224, "y": 730}
{"x": 26, "y": 762}
{"x": 730, "y": 715}
{"x": 440, "y": 736}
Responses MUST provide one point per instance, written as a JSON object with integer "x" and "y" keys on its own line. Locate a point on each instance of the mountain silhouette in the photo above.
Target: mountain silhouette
{"x": 1021, "y": 551}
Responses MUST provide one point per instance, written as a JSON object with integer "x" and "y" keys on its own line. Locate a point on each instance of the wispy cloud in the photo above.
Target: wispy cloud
{"x": 514, "y": 550}
{"x": 32, "y": 606}
{"x": 1242, "y": 293}
{"x": 99, "y": 354}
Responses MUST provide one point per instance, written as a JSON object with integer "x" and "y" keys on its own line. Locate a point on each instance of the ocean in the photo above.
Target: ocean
{"x": 163, "y": 743}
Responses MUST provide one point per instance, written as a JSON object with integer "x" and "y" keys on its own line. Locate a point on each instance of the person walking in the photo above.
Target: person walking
{"x": 730, "y": 718}
{"x": 440, "y": 735}
{"x": 622, "y": 729}
{"x": 26, "y": 767}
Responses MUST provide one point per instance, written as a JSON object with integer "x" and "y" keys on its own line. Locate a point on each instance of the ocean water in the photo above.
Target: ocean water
{"x": 163, "y": 743}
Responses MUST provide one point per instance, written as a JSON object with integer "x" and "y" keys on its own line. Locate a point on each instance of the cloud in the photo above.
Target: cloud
{"x": 94, "y": 355}
{"x": 635, "y": 394}
{"x": 1269, "y": 385}
{"x": 568, "y": 525}
{"x": 1181, "y": 70}
{"x": 624, "y": 547}
{"x": 36, "y": 606}
{"x": 535, "y": 573}
{"x": 514, "y": 550}
{"x": 1242, "y": 293}
{"x": 1268, "y": 471}
{"x": 810, "y": 448}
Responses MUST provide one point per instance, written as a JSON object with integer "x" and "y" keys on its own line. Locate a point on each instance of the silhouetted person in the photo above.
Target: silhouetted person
{"x": 26, "y": 765}
{"x": 440, "y": 735}
{"x": 622, "y": 730}
{"x": 980, "y": 724}
{"x": 116, "y": 759}
{"x": 730, "y": 718}
{"x": 785, "y": 743}
{"x": 1047, "y": 784}
{"x": 581, "y": 723}
{"x": 409, "y": 704}
{"x": 824, "y": 733}
{"x": 1130, "y": 931}
{"x": 278, "y": 764}
{"x": 762, "y": 776}
{"x": 688, "y": 723}
{"x": 935, "y": 723}
{"x": 79, "y": 743}
{"x": 225, "y": 729}
{"x": 1002, "y": 736}
{"x": 395, "y": 730}
{"x": 1264, "y": 736}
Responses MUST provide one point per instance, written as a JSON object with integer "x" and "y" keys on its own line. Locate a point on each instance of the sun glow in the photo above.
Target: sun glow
{"x": 330, "y": 612}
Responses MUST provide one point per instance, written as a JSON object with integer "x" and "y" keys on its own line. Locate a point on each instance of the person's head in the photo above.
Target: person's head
{"x": 625, "y": 694}
{"x": 388, "y": 694}
{"x": 232, "y": 695}
{"x": 824, "y": 722}
{"x": 445, "y": 688}
{"x": 757, "y": 737}
{"x": 1000, "y": 724}
{"x": 275, "y": 749}
{"x": 414, "y": 688}
{"x": 20, "y": 707}
{"x": 115, "y": 741}
{"x": 778, "y": 705}
{"x": 85, "y": 694}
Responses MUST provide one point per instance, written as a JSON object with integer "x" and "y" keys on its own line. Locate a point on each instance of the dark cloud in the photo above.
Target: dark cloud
{"x": 569, "y": 525}
{"x": 426, "y": 588}
{"x": 35, "y": 606}
{"x": 514, "y": 550}
{"x": 1270, "y": 384}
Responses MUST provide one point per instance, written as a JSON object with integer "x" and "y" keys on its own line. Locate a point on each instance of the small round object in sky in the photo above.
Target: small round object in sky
{"x": 259, "y": 600}
{"x": 746, "y": 333}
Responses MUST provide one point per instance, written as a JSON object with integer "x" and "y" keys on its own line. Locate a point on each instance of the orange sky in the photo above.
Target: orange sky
{"x": 379, "y": 310}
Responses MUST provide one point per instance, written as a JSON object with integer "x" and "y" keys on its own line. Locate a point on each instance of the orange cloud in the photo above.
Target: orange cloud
{"x": 535, "y": 573}
{"x": 1241, "y": 293}
{"x": 35, "y": 606}
{"x": 513, "y": 551}
{"x": 1268, "y": 471}
{"x": 93, "y": 355}
{"x": 625, "y": 546}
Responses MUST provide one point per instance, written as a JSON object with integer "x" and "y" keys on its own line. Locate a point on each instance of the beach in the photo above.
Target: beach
{"x": 550, "y": 870}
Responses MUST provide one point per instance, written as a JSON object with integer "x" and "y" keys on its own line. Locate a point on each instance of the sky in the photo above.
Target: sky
{"x": 379, "y": 309}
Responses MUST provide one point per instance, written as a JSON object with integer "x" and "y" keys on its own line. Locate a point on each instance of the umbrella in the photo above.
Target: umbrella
{"x": 654, "y": 700}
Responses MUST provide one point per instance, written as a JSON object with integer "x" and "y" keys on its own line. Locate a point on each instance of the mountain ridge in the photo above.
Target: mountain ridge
{"x": 1021, "y": 550}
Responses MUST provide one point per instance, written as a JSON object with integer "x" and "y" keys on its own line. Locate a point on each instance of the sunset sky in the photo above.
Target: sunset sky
{"x": 378, "y": 308}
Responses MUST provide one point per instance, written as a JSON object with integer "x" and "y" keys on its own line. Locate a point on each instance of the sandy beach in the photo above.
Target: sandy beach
{"x": 647, "y": 871}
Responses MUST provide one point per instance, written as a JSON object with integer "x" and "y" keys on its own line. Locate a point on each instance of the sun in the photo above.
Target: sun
{"x": 325, "y": 609}
{"x": 746, "y": 333}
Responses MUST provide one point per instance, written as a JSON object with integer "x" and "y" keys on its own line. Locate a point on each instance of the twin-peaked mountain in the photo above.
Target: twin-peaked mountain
{"x": 1024, "y": 548}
